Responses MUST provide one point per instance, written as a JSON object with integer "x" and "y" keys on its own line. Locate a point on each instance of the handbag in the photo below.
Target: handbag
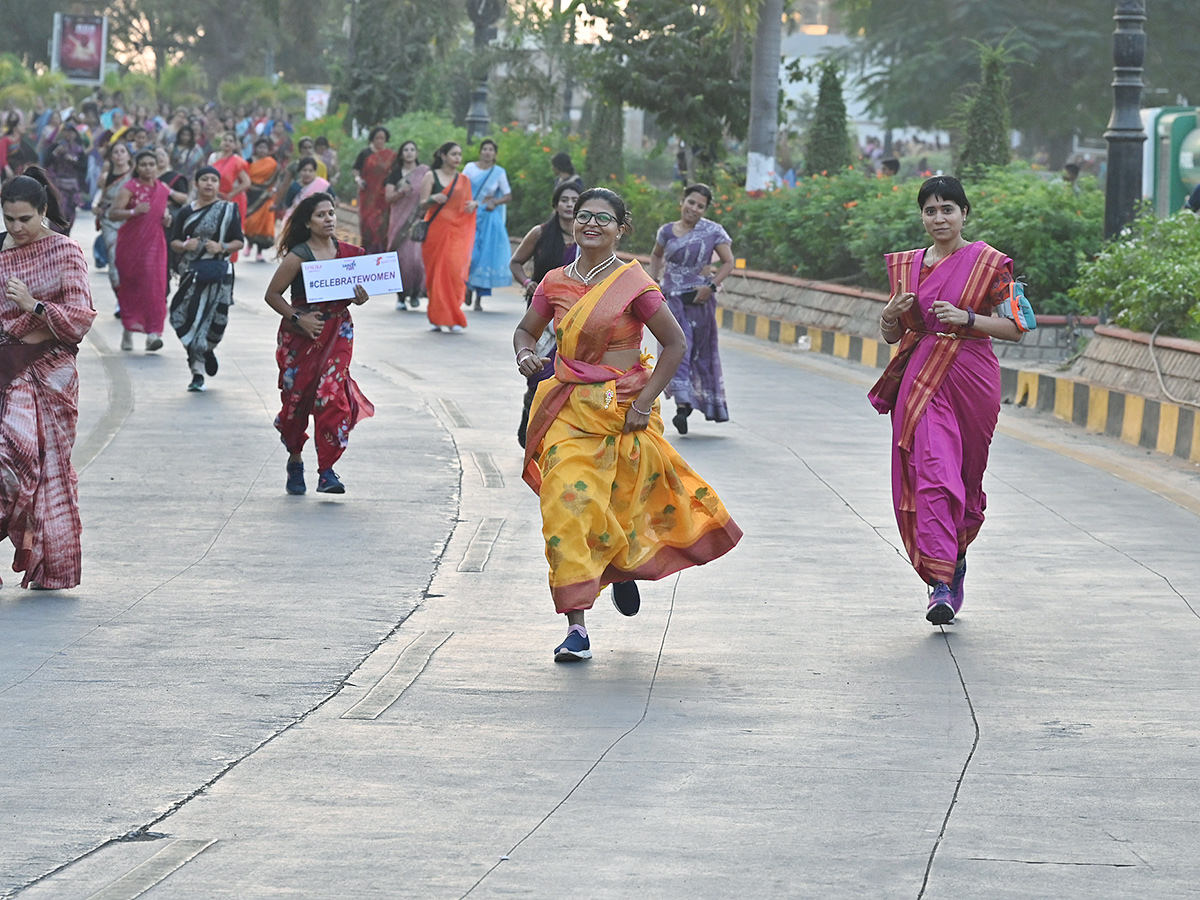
{"x": 209, "y": 271}
{"x": 420, "y": 231}
{"x": 1017, "y": 308}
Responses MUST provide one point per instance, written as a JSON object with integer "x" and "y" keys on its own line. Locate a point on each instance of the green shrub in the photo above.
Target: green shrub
{"x": 800, "y": 231}
{"x": 1148, "y": 277}
{"x": 1047, "y": 229}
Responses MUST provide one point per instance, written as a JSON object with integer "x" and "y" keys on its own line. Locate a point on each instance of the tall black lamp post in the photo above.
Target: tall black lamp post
{"x": 1125, "y": 135}
{"x": 484, "y": 14}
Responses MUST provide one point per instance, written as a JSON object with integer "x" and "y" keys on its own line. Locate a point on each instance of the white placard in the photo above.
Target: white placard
{"x": 316, "y": 103}
{"x": 334, "y": 279}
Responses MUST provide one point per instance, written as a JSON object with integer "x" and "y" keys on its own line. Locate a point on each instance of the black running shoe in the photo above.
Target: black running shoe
{"x": 625, "y": 597}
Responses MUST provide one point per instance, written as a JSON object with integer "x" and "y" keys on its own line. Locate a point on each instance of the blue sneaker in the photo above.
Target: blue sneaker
{"x": 626, "y": 598}
{"x": 575, "y": 647}
{"x": 295, "y": 479}
{"x": 328, "y": 483}
{"x": 956, "y": 586}
{"x": 940, "y": 611}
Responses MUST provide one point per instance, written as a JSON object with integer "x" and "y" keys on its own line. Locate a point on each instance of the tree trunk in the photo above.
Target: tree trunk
{"x": 764, "y": 98}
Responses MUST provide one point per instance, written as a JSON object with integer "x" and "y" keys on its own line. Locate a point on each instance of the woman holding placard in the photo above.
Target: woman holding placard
{"x": 315, "y": 344}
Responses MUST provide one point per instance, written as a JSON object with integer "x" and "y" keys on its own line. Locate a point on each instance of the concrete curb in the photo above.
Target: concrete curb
{"x": 1132, "y": 418}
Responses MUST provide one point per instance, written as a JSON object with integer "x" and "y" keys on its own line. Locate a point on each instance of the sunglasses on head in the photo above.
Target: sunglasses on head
{"x": 601, "y": 218}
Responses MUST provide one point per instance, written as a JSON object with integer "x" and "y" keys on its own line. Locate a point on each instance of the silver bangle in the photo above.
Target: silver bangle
{"x": 643, "y": 412}
{"x": 524, "y": 350}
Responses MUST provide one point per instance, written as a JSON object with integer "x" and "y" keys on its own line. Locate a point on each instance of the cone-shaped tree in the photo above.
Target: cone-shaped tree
{"x": 828, "y": 145}
{"x": 985, "y": 119}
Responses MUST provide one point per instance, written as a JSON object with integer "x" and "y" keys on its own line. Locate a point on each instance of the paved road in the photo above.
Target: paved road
{"x": 254, "y": 695}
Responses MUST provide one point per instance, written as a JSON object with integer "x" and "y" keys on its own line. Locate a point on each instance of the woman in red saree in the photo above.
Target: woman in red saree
{"x": 618, "y": 503}
{"x": 315, "y": 345}
{"x": 370, "y": 171}
{"x": 235, "y": 175}
{"x": 45, "y": 311}
{"x": 141, "y": 256}
{"x": 943, "y": 388}
{"x": 450, "y": 214}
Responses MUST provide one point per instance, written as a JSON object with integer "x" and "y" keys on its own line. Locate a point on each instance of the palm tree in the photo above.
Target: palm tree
{"x": 765, "y": 18}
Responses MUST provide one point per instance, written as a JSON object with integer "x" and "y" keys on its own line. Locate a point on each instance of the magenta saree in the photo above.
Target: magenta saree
{"x": 943, "y": 392}
{"x": 141, "y": 259}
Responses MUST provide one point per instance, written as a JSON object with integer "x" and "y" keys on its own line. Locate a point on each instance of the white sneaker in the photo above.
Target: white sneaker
{"x": 455, "y": 329}
{"x": 127, "y": 340}
{"x": 153, "y": 342}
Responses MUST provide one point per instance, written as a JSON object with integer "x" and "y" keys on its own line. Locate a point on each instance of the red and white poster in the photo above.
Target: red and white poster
{"x": 80, "y": 47}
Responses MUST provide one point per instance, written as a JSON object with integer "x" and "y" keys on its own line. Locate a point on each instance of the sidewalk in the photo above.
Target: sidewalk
{"x": 354, "y": 697}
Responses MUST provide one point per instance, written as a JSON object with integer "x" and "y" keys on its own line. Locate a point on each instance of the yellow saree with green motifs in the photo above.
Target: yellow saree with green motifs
{"x": 615, "y": 506}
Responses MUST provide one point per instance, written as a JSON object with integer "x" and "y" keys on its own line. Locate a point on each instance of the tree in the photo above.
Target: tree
{"x": 910, "y": 66}
{"x": 672, "y": 60}
{"x": 765, "y": 19}
{"x": 538, "y": 56}
{"x": 828, "y": 143}
{"x": 27, "y": 28}
{"x": 394, "y": 45}
{"x": 985, "y": 117}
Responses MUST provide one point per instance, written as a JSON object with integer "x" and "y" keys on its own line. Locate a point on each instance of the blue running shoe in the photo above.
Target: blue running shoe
{"x": 328, "y": 483}
{"x": 295, "y": 479}
{"x": 940, "y": 611}
{"x": 575, "y": 647}
{"x": 956, "y": 586}
{"x": 626, "y": 598}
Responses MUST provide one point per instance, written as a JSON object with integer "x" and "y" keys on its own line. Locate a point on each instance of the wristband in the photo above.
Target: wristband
{"x": 887, "y": 323}
{"x": 528, "y": 282}
{"x": 970, "y": 318}
{"x": 643, "y": 412}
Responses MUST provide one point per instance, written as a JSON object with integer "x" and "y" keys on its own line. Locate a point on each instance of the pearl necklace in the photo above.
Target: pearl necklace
{"x": 574, "y": 268}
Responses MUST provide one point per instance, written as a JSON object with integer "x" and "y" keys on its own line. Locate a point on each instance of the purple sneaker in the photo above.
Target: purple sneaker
{"x": 940, "y": 611}
{"x": 956, "y": 586}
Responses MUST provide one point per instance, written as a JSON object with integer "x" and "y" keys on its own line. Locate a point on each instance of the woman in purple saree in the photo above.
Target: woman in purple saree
{"x": 943, "y": 388}
{"x": 681, "y": 261}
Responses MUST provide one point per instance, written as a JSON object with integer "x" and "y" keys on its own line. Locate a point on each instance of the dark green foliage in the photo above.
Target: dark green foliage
{"x": 984, "y": 118}
{"x": 840, "y": 226}
{"x": 396, "y": 46}
{"x": 828, "y": 146}
{"x": 1148, "y": 277}
{"x": 673, "y": 61}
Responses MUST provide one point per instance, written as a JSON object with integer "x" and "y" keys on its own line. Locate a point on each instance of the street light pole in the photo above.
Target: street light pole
{"x": 484, "y": 14}
{"x": 1125, "y": 135}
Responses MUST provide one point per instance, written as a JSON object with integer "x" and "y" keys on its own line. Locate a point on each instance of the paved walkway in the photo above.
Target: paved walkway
{"x": 254, "y": 695}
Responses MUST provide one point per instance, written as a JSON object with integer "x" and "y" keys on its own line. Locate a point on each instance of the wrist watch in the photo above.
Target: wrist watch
{"x": 295, "y": 318}
{"x": 39, "y": 308}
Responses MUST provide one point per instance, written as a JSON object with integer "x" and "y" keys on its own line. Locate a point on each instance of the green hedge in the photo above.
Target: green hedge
{"x": 1149, "y": 277}
{"x": 830, "y": 227}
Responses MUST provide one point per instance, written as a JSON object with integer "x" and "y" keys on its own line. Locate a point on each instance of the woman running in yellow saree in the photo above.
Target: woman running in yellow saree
{"x": 618, "y": 503}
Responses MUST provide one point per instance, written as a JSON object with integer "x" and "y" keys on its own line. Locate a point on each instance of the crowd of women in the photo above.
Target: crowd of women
{"x": 618, "y": 502}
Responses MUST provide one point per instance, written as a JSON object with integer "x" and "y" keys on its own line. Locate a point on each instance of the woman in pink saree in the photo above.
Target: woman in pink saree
{"x": 402, "y": 189}
{"x": 943, "y": 388}
{"x": 45, "y": 310}
{"x": 142, "y": 253}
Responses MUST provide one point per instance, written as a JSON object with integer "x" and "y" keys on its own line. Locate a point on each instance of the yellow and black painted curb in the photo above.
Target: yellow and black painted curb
{"x": 1143, "y": 422}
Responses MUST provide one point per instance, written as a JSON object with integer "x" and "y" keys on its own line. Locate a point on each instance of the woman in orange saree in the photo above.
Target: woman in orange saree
{"x": 618, "y": 503}
{"x": 943, "y": 388}
{"x": 259, "y": 227}
{"x": 450, "y": 215}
